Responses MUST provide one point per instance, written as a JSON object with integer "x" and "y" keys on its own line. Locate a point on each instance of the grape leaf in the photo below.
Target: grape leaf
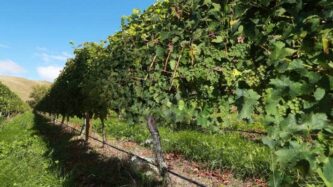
{"x": 319, "y": 94}
{"x": 250, "y": 99}
{"x": 218, "y": 39}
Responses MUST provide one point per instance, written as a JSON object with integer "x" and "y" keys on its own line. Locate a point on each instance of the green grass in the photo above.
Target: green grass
{"x": 232, "y": 122}
{"x": 85, "y": 167}
{"x": 228, "y": 151}
{"x": 22, "y": 159}
{"x": 35, "y": 153}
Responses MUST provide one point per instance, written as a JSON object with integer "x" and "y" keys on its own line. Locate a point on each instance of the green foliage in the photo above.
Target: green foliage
{"x": 37, "y": 94}
{"x": 327, "y": 173}
{"x": 76, "y": 92}
{"x": 10, "y": 103}
{"x": 194, "y": 62}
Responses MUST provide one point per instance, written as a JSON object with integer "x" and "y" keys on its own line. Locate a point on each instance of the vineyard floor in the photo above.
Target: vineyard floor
{"x": 176, "y": 163}
{"x": 242, "y": 154}
{"x": 34, "y": 152}
{"x": 24, "y": 157}
{"x": 82, "y": 164}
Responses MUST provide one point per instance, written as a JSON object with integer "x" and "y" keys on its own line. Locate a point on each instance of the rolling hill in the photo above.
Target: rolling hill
{"x": 21, "y": 86}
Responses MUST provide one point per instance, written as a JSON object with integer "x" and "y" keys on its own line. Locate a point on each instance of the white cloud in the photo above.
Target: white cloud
{"x": 54, "y": 63}
{"x": 42, "y": 49}
{"x": 49, "y": 73}
{"x": 46, "y": 57}
{"x": 9, "y": 67}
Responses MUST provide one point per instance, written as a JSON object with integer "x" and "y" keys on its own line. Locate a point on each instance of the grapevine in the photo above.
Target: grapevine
{"x": 181, "y": 60}
{"x": 10, "y": 103}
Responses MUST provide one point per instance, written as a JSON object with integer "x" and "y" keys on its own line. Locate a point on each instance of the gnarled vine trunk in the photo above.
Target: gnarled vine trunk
{"x": 67, "y": 120}
{"x": 162, "y": 166}
{"x": 54, "y": 117}
{"x": 63, "y": 120}
{"x": 88, "y": 127}
{"x": 103, "y": 132}
{"x": 83, "y": 128}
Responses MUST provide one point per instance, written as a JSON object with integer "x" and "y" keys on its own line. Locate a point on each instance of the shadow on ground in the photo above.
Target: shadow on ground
{"x": 81, "y": 166}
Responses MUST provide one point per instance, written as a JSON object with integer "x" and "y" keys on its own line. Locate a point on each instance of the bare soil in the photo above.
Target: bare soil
{"x": 176, "y": 163}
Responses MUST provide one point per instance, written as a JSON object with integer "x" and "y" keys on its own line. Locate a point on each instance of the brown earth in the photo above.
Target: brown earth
{"x": 176, "y": 163}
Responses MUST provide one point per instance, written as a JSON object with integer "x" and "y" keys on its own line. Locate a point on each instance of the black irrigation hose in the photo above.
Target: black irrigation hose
{"x": 139, "y": 157}
{"x": 169, "y": 171}
{"x": 244, "y": 131}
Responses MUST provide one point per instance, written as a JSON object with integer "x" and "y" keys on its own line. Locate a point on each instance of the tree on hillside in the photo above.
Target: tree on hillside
{"x": 38, "y": 92}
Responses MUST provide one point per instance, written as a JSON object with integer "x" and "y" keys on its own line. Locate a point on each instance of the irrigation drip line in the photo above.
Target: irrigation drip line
{"x": 141, "y": 158}
{"x": 148, "y": 162}
{"x": 244, "y": 131}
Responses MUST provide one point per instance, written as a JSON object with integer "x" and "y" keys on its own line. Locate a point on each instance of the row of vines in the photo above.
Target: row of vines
{"x": 194, "y": 62}
{"x": 10, "y": 103}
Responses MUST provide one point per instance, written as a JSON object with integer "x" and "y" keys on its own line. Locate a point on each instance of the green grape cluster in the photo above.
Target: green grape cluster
{"x": 239, "y": 50}
{"x": 282, "y": 110}
{"x": 295, "y": 105}
{"x": 231, "y": 75}
{"x": 262, "y": 71}
{"x": 251, "y": 78}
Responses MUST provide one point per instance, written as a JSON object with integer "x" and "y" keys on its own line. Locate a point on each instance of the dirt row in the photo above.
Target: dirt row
{"x": 176, "y": 163}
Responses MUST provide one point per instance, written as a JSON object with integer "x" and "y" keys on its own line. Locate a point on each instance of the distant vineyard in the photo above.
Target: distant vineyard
{"x": 193, "y": 63}
{"x": 10, "y": 103}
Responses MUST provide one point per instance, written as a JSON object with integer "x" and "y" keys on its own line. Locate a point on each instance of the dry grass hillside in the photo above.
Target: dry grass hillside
{"x": 21, "y": 86}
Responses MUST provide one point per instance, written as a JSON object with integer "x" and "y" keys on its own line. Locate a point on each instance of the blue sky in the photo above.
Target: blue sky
{"x": 35, "y": 34}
